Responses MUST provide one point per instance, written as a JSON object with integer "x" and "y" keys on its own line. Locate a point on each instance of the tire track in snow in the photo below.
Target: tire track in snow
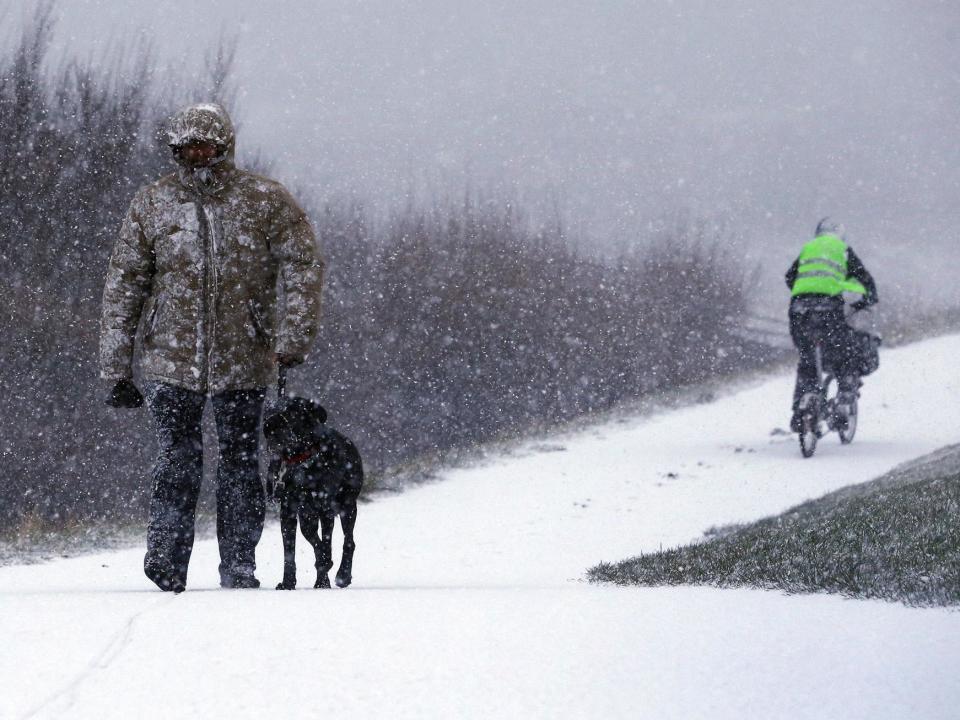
{"x": 116, "y": 644}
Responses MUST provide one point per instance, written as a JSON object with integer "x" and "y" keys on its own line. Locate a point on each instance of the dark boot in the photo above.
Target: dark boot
{"x": 164, "y": 577}
{"x": 246, "y": 582}
{"x": 796, "y": 422}
{"x": 159, "y": 575}
{"x": 239, "y": 582}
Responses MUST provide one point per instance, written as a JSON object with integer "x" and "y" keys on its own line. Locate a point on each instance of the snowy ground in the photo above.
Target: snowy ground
{"x": 468, "y": 600}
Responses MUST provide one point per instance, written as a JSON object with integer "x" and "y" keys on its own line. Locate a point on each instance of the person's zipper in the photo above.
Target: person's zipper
{"x": 206, "y": 306}
{"x": 214, "y": 286}
{"x": 151, "y": 324}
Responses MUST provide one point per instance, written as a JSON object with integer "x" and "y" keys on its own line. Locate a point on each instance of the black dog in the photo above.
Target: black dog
{"x": 316, "y": 474}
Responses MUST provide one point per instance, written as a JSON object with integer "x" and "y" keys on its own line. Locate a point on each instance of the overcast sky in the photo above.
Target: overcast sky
{"x": 765, "y": 114}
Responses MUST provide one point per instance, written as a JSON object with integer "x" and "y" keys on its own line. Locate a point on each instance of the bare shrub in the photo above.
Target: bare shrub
{"x": 460, "y": 324}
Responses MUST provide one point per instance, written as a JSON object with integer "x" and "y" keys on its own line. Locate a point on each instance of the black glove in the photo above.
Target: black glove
{"x": 124, "y": 395}
{"x": 860, "y": 305}
{"x": 288, "y": 361}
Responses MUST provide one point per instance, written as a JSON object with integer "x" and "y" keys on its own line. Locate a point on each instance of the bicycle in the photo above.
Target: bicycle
{"x": 828, "y": 405}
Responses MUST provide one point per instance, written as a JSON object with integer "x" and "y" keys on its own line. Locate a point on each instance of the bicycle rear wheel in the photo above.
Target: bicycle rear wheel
{"x": 848, "y": 428}
{"x": 808, "y": 436}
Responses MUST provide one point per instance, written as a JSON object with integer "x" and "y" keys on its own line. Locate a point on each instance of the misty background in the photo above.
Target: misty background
{"x": 530, "y": 214}
{"x": 758, "y": 115}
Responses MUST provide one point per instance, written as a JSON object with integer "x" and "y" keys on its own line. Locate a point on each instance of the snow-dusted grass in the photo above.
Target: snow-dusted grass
{"x": 896, "y": 538}
{"x": 469, "y": 598}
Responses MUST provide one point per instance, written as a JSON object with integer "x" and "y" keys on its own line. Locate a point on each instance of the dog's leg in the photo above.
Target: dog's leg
{"x": 348, "y": 518}
{"x": 321, "y": 544}
{"x": 288, "y": 531}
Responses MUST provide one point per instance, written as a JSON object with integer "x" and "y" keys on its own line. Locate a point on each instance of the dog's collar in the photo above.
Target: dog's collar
{"x": 297, "y": 459}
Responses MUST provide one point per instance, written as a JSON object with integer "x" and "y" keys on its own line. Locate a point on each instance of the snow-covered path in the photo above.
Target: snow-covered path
{"x": 468, "y": 600}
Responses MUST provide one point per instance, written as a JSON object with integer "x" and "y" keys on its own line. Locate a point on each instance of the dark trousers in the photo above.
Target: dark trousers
{"x": 812, "y": 317}
{"x": 178, "y": 473}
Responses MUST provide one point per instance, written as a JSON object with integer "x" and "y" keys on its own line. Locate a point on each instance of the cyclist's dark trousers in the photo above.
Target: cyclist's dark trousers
{"x": 178, "y": 473}
{"x": 819, "y": 315}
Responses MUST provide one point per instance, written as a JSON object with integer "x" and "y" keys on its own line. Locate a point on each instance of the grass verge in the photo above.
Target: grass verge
{"x": 895, "y": 538}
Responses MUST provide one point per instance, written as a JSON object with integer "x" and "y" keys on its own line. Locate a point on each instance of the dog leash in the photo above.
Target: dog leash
{"x": 274, "y": 482}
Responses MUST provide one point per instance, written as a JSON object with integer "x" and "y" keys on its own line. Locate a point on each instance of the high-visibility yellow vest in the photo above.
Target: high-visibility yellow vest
{"x": 822, "y": 268}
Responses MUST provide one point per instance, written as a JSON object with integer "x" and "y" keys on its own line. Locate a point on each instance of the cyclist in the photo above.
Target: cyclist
{"x": 825, "y": 269}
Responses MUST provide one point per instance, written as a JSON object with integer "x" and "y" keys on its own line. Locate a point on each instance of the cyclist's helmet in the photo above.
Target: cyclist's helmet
{"x": 828, "y": 226}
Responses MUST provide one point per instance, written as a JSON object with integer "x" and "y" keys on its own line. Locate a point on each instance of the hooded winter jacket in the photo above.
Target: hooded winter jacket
{"x": 197, "y": 262}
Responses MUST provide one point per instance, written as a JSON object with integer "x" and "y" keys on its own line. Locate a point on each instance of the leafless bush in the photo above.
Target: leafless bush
{"x": 452, "y": 326}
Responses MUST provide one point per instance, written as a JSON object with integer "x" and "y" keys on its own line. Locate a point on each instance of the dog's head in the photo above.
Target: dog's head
{"x": 293, "y": 427}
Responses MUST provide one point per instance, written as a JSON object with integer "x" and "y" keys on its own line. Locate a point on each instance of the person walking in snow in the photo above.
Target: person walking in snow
{"x": 196, "y": 263}
{"x": 825, "y": 269}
